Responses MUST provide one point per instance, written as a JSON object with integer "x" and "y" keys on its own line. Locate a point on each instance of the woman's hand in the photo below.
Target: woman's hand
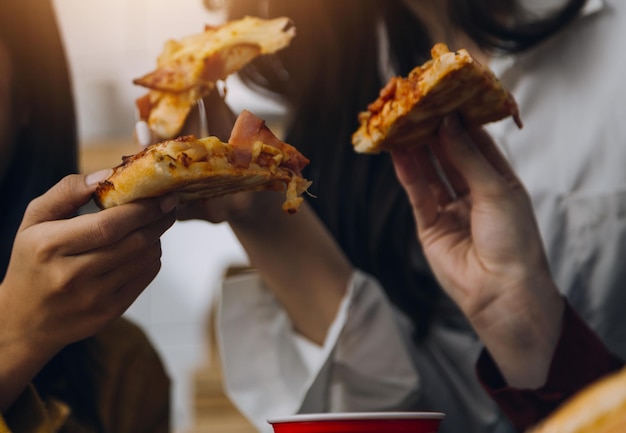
{"x": 478, "y": 231}
{"x": 242, "y": 206}
{"x": 70, "y": 276}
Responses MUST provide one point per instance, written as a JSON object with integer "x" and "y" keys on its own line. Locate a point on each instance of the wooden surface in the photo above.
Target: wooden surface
{"x": 98, "y": 154}
{"x": 214, "y": 413}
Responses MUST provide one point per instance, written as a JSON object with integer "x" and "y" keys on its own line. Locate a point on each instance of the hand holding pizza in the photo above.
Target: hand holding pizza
{"x": 246, "y": 204}
{"x": 479, "y": 234}
{"x": 70, "y": 276}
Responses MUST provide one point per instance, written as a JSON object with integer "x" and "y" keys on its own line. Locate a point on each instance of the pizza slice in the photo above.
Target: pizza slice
{"x": 189, "y": 68}
{"x": 409, "y": 111}
{"x": 254, "y": 159}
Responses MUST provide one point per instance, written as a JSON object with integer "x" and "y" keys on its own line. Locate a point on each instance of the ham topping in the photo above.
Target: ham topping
{"x": 248, "y": 130}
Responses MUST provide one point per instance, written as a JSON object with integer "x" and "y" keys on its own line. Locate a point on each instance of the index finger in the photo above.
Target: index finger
{"x": 418, "y": 185}
{"x": 476, "y": 159}
{"x": 493, "y": 154}
{"x": 63, "y": 199}
{"x": 91, "y": 231}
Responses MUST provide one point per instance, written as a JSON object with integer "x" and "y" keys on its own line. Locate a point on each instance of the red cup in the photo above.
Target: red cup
{"x": 365, "y": 422}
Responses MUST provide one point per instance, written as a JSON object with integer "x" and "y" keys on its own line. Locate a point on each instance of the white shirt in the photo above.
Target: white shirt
{"x": 571, "y": 155}
{"x": 367, "y": 362}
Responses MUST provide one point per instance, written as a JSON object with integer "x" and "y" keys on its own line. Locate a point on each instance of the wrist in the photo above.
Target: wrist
{"x": 256, "y": 208}
{"x": 521, "y": 330}
{"x": 21, "y": 361}
{"x": 23, "y": 351}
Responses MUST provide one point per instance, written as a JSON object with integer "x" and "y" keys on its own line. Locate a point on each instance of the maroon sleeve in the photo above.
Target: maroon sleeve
{"x": 579, "y": 359}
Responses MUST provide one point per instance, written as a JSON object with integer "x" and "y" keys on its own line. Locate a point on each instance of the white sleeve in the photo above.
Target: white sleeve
{"x": 270, "y": 371}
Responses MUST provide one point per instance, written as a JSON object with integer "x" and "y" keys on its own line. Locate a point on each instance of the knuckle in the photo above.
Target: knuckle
{"x": 65, "y": 185}
{"x": 152, "y": 262}
{"x": 152, "y": 256}
{"x": 61, "y": 280}
{"x": 102, "y": 229}
{"x": 155, "y": 266}
{"x": 138, "y": 241}
{"x": 154, "y": 270}
{"x": 156, "y": 253}
{"x": 41, "y": 251}
{"x": 44, "y": 250}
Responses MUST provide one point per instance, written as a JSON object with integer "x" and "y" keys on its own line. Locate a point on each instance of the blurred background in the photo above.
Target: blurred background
{"x": 108, "y": 45}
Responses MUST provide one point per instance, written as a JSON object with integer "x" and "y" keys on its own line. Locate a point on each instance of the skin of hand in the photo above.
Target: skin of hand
{"x": 479, "y": 234}
{"x": 69, "y": 276}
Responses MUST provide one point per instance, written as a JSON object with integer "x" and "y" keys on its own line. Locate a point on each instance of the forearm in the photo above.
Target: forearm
{"x": 269, "y": 372}
{"x": 299, "y": 260}
{"x": 22, "y": 353}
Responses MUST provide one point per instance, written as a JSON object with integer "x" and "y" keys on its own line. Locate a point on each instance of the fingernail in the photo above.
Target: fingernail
{"x": 452, "y": 125}
{"x": 144, "y": 135}
{"x": 98, "y": 176}
{"x": 169, "y": 203}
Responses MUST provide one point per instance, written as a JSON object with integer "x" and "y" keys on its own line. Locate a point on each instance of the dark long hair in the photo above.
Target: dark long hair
{"x": 44, "y": 150}
{"x": 329, "y": 74}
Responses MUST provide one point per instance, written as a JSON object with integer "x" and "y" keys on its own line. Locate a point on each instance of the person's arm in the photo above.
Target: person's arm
{"x": 580, "y": 359}
{"x": 306, "y": 270}
{"x": 364, "y": 364}
{"x": 296, "y": 256}
{"x": 480, "y": 237}
{"x": 70, "y": 276}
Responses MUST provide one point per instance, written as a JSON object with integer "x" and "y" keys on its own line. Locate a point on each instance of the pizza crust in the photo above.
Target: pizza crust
{"x": 410, "y": 111}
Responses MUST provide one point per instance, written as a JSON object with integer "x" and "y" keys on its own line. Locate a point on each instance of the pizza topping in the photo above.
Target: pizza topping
{"x": 248, "y": 130}
{"x": 386, "y": 94}
{"x": 202, "y": 168}
{"x": 295, "y": 188}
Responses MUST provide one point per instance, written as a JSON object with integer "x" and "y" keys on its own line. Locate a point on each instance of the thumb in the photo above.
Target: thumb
{"x": 64, "y": 199}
